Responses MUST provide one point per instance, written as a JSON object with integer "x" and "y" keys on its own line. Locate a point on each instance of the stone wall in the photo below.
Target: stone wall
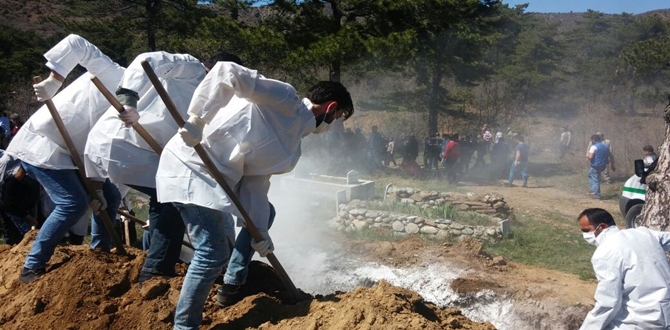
{"x": 358, "y": 215}
{"x": 489, "y": 204}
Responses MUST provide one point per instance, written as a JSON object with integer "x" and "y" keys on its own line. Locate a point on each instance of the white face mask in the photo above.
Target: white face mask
{"x": 590, "y": 238}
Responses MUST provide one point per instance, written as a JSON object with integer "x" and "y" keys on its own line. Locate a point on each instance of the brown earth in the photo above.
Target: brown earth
{"x": 85, "y": 289}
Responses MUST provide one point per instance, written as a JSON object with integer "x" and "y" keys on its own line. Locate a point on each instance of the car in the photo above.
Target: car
{"x": 631, "y": 201}
{"x": 633, "y": 194}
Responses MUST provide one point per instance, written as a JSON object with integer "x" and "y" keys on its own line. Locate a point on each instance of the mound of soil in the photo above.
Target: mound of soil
{"x": 85, "y": 289}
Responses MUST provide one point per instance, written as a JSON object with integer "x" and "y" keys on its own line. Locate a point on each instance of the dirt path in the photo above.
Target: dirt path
{"x": 544, "y": 201}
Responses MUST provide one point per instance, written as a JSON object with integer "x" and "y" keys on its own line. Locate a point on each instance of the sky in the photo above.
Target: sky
{"x": 605, "y": 6}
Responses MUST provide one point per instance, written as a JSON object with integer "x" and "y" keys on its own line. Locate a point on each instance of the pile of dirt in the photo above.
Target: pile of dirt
{"x": 85, "y": 289}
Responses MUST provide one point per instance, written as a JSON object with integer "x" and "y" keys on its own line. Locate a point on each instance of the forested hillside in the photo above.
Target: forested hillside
{"x": 468, "y": 59}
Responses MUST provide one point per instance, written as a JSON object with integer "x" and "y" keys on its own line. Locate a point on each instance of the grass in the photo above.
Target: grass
{"x": 546, "y": 245}
{"x": 549, "y": 243}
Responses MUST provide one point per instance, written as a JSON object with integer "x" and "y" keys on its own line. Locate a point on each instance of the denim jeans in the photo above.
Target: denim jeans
{"x": 166, "y": 231}
{"x": 594, "y": 179}
{"x": 20, "y": 223}
{"x": 238, "y": 267}
{"x": 71, "y": 203}
{"x": 100, "y": 238}
{"x": 524, "y": 172}
{"x": 207, "y": 229}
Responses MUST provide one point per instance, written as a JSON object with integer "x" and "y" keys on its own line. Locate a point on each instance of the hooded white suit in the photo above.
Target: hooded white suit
{"x": 633, "y": 280}
{"x": 255, "y": 126}
{"x": 80, "y": 105}
{"x": 117, "y": 152}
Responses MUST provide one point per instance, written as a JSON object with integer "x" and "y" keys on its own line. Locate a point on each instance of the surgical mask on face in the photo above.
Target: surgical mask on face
{"x": 323, "y": 127}
{"x": 590, "y": 238}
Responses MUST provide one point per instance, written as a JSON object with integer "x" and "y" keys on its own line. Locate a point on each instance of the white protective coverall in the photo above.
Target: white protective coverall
{"x": 117, "y": 152}
{"x": 80, "y": 104}
{"x": 256, "y": 134}
{"x": 633, "y": 280}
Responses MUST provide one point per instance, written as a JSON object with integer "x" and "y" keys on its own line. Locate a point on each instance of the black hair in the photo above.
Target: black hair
{"x": 648, "y": 148}
{"x": 596, "y": 216}
{"x": 595, "y": 138}
{"x": 222, "y": 56}
{"x": 325, "y": 91}
{"x": 519, "y": 138}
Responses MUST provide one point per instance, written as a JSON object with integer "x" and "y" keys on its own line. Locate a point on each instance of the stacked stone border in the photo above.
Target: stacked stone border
{"x": 360, "y": 215}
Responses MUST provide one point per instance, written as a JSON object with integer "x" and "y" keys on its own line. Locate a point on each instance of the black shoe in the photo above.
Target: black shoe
{"x": 30, "y": 275}
{"x": 229, "y": 294}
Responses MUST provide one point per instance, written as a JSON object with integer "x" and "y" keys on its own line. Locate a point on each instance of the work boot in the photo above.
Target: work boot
{"x": 30, "y": 275}
{"x": 228, "y": 295}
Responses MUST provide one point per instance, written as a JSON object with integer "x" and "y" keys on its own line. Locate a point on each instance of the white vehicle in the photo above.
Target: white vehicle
{"x": 633, "y": 195}
{"x": 631, "y": 201}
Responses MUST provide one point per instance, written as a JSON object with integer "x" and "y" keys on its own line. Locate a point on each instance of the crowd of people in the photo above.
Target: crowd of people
{"x": 454, "y": 155}
{"x": 252, "y": 127}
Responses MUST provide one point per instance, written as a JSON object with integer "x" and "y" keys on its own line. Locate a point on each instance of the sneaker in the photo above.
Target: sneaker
{"x": 30, "y": 275}
{"x": 229, "y": 294}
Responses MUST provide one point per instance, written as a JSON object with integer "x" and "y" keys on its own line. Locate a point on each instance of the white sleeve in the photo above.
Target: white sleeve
{"x": 663, "y": 239}
{"x": 74, "y": 50}
{"x": 165, "y": 65}
{"x": 592, "y": 149}
{"x": 608, "y": 293}
{"x": 227, "y": 79}
{"x": 253, "y": 194}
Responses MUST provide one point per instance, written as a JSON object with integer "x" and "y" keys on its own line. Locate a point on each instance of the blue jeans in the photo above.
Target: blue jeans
{"x": 238, "y": 267}
{"x": 20, "y": 223}
{"x": 71, "y": 203}
{"x": 594, "y": 179}
{"x": 524, "y": 172}
{"x": 207, "y": 229}
{"x": 100, "y": 238}
{"x": 166, "y": 231}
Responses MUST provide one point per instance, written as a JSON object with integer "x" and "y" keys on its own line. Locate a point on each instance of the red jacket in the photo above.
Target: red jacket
{"x": 452, "y": 151}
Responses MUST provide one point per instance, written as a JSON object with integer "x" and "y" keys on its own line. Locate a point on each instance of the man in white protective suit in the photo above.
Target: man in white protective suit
{"x": 46, "y": 158}
{"x": 633, "y": 274}
{"x": 114, "y": 149}
{"x": 252, "y": 128}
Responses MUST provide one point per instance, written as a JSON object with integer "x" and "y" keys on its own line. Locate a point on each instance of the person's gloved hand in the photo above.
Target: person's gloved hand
{"x": 47, "y": 88}
{"x": 191, "y": 133}
{"x": 129, "y": 116}
{"x": 100, "y": 203}
{"x": 265, "y": 246}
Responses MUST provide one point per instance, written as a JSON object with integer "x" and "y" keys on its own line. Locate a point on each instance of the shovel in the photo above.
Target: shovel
{"x": 88, "y": 185}
{"x": 119, "y": 107}
{"x": 218, "y": 177}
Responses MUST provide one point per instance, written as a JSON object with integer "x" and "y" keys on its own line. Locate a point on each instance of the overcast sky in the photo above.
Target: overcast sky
{"x": 605, "y": 6}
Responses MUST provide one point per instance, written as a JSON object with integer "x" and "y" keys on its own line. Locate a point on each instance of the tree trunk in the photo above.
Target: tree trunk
{"x": 334, "y": 74}
{"x": 335, "y": 69}
{"x": 656, "y": 212}
{"x": 152, "y": 7}
{"x": 433, "y": 99}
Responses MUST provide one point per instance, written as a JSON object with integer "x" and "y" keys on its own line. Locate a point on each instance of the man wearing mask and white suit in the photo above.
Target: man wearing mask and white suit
{"x": 633, "y": 274}
{"x": 252, "y": 127}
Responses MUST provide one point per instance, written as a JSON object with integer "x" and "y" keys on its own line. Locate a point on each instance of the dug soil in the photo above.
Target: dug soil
{"x": 85, "y": 289}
